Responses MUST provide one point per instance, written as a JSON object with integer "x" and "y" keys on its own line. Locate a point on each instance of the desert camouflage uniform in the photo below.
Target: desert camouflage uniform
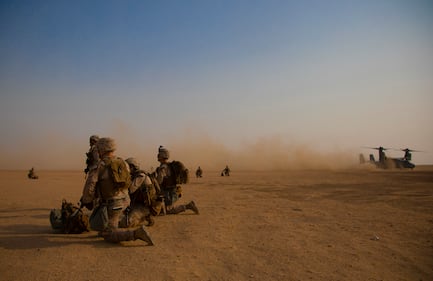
{"x": 169, "y": 188}
{"x": 144, "y": 198}
{"x": 100, "y": 185}
{"x": 199, "y": 172}
{"x": 32, "y": 174}
{"x": 226, "y": 171}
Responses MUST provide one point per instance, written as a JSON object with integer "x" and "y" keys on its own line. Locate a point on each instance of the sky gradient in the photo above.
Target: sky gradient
{"x": 215, "y": 81}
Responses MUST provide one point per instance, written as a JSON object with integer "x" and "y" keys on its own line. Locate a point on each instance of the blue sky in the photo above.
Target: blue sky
{"x": 222, "y": 76}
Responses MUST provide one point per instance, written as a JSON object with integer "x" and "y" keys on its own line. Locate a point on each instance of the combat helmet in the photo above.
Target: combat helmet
{"x": 163, "y": 153}
{"x": 106, "y": 145}
{"x": 94, "y": 138}
{"x": 133, "y": 163}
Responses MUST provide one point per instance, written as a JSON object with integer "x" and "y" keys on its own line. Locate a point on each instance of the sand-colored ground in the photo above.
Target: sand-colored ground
{"x": 293, "y": 225}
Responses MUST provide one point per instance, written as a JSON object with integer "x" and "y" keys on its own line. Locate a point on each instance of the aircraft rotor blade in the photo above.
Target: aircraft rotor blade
{"x": 377, "y": 148}
{"x": 411, "y": 150}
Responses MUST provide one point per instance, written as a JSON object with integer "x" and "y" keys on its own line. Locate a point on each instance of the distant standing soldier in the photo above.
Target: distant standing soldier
{"x": 103, "y": 183}
{"x": 169, "y": 188}
{"x": 199, "y": 172}
{"x": 32, "y": 175}
{"x": 226, "y": 171}
{"x": 92, "y": 155}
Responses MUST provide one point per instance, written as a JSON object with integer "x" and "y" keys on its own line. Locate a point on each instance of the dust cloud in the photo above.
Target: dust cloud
{"x": 261, "y": 154}
{"x": 57, "y": 152}
{"x": 268, "y": 153}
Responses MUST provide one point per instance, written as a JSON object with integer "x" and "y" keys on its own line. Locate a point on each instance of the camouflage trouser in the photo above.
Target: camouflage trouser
{"x": 135, "y": 216}
{"x": 173, "y": 210}
{"x": 117, "y": 235}
{"x": 170, "y": 195}
{"x": 115, "y": 211}
{"x": 157, "y": 207}
{"x": 114, "y": 217}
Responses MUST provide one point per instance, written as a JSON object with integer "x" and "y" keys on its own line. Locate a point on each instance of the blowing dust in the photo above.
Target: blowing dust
{"x": 54, "y": 152}
{"x": 262, "y": 154}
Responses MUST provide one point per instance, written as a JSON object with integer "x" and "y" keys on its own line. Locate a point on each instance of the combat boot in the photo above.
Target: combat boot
{"x": 142, "y": 234}
{"x": 191, "y": 206}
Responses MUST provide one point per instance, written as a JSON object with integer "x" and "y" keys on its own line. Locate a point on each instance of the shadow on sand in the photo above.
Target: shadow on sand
{"x": 42, "y": 237}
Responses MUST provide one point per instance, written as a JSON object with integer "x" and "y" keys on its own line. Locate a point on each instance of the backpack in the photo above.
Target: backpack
{"x": 70, "y": 219}
{"x": 180, "y": 172}
{"x": 119, "y": 172}
{"x": 146, "y": 194}
{"x": 73, "y": 219}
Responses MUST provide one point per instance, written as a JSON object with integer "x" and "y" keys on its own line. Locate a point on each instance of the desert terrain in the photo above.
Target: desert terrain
{"x": 348, "y": 224}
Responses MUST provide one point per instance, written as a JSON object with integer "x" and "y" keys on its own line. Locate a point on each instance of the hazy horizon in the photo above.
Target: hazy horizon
{"x": 268, "y": 153}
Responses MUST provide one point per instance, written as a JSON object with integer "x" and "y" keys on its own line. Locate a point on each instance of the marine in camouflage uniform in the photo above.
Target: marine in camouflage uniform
{"x": 198, "y": 172}
{"x": 226, "y": 171}
{"x": 32, "y": 175}
{"x": 100, "y": 184}
{"x": 92, "y": 155}
{"x": 143, "y": 192}
{"x": 169, "y": 188}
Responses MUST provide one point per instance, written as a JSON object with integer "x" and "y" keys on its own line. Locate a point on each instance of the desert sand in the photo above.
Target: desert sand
{"x": 356, "y": 224}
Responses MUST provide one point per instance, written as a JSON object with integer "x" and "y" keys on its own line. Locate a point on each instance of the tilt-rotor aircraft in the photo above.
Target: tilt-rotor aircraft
{"x": 385, "y": 162}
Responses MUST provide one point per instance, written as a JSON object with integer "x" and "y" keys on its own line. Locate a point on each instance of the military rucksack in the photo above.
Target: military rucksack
{"x": 148, "y": 192}
{"x": 70, "y": 219}
{"x": 180, "y": 172}
{"x": 119, "y": 172}
{"x": 73, "y": 218}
